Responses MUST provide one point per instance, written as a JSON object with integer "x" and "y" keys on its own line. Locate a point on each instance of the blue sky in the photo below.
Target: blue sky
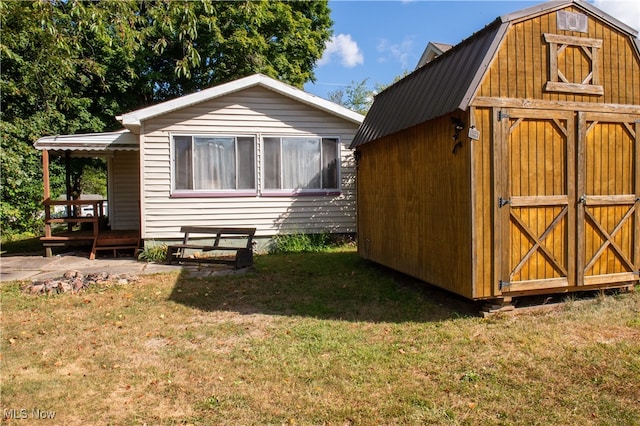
{"x": 379, "y": 40}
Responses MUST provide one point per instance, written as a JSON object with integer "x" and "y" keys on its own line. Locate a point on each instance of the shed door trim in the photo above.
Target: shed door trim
{"x": 534, "y": 221}
{"x": 608, "y": 218}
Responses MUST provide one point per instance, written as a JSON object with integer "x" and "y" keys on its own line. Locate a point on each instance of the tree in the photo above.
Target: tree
{"x": 358, "y": 96}
{"x": 70, "y": 66}
{"x": 199, "y": 44}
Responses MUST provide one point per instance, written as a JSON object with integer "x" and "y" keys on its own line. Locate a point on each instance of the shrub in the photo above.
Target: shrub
{"x": 153, "y": 253}
{"x": 300, "y": 243}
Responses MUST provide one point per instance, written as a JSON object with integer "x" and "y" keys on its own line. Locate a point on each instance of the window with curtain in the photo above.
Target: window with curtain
{"x": 301, "y": 163}
{"x": 214, "y": 163}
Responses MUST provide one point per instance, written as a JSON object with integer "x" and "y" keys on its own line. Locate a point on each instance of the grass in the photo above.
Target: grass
{"x": 322, "y": 338}
{"x": 21, "y": 244}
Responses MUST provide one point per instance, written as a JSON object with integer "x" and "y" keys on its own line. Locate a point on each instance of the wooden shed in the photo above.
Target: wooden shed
{"x": 509, "y": 165}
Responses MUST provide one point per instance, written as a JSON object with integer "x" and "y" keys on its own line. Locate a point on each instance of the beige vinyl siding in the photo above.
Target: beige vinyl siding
{"x": 124, "y": 200}
{"x": 259, "y": 112}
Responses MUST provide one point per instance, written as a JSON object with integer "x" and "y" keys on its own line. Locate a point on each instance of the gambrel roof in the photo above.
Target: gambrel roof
{"x": 450, "y": 81}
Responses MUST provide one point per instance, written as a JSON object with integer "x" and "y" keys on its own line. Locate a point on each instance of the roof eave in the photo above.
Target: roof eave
{"x": 121, "y": 140}
{"x": 468, "y": 97}
{"x": 556, "y": 5}
{"x": 134, "y": 119}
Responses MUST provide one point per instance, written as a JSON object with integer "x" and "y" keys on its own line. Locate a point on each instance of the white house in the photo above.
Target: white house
{"x": 254, "y": 152}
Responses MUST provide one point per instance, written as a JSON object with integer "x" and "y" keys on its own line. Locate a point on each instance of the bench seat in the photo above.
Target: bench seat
{"x": 241, "y": 256}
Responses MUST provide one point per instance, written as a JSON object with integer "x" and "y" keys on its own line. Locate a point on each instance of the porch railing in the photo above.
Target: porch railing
{"x": 71, "y": 216}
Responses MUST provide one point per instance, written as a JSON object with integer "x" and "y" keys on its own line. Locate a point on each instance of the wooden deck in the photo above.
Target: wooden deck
{"x": 100, "y": 239}
{"x": 106, "y": 240}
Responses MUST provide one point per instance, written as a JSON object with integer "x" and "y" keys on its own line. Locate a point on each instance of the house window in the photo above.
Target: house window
{"x": 568, "y": 54}
{"x": 214, "y": 163}
{"x": 301, "y": 163}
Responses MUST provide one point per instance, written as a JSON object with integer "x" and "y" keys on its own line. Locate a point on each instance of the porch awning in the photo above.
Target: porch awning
{"x": 121, "y": 140}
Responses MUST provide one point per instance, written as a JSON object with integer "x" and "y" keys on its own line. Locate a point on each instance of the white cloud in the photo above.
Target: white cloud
{"x": 627, "y": 11}
{"x": 400, "y": 52}
{"x": 345, "y": 48}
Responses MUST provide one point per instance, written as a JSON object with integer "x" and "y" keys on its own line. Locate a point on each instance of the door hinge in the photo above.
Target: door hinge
{"x": 503, "y": 284}
{"x": 503, "y": 202}
{"x": 502, "y": 115}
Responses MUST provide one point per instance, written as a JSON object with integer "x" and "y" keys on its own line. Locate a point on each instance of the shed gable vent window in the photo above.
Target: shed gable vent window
{"x": 572, "y": 21}
{"x": 214, "y": 163}
{"x": 574, "y": 65}
{"x": 301, "y": 163}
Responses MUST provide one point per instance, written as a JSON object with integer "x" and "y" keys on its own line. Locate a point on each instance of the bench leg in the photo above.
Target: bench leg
{"x": 171, "y": 251}
{"x": 244, "y": 258}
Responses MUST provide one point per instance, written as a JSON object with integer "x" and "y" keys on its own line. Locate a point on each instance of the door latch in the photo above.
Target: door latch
{"x": 582, "y": 199}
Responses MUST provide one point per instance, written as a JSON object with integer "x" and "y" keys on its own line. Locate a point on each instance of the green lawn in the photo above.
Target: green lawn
{"x": 314, "y": 339}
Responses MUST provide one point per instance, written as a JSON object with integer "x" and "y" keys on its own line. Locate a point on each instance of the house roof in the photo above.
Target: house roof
{"x": 450, "y": 81}
{"x": 121, "y": 140}
{"x": 133, "y": 120}
{"x": 432, "y": 51}
{"x": 127, "y": 139}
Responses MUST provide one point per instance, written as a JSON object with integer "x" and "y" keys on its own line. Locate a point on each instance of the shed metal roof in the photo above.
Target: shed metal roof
{"x": 450, "y": 81}
{"x": 444, "y": 84}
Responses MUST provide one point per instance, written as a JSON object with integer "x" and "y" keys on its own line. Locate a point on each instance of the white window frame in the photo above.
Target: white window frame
{"x": 177, "y": 193}
{"x": 300, "y": 191}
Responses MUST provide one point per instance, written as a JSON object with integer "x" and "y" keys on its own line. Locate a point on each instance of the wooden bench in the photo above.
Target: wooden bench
{"x": 193, "y": 240}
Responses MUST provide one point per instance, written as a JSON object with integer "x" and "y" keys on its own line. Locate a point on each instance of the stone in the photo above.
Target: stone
{"x": 36, "y": 288}
{"x": 72, "y": 274}
{"x": 77, "y": 285}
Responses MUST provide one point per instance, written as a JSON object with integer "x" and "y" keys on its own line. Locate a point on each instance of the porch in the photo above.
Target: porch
{"x": 90, "y": 229}
{"x": 88, "y": 221}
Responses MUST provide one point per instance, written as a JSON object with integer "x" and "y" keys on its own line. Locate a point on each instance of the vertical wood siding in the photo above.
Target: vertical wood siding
{"x": 255, "y": 111}
{"x": 609, "y": 158}
{"x": 124, "y": 205}
{"x": 435, "y": 215}
{"x": 483, "y": 203}
{"x": 521, "y": 67}
{"x": 520, "y": 70}
{"x": 415, "y": 205}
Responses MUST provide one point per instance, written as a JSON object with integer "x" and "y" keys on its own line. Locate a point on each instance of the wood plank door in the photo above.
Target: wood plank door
{"x": 534, "y": 164}
{"x": 609, "y": 192}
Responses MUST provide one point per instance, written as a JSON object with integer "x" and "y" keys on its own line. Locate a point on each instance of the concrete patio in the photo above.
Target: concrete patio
{"x": 35, "y": 268}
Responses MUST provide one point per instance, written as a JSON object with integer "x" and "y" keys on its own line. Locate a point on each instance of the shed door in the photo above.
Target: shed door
{"x": 608, "y": 189}
{"x": 535, "y": 186}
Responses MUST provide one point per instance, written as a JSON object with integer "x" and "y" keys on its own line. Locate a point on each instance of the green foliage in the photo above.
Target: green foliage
{"x": 153, "y": 253}
{"x": 214, "y": 42}
{"x": 359, "y": 96}
{"x": 93, "y": 179}
{"x": 300, "y": 243}
{"x": 70, "y": 66}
